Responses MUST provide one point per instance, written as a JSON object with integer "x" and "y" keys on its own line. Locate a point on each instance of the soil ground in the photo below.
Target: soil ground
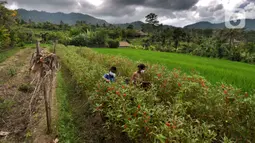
{"x": 15, "y": 95}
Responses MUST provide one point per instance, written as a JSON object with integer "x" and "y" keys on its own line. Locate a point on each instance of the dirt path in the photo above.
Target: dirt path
{"x": 15, "y": 95}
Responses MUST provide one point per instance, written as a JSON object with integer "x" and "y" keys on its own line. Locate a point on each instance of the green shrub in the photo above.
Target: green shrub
{"x": 12, "y": 72}
{"x": 5, "y": 39}
{"x": 5, "y": 106}
{"x": 137, "y": 47}
{"x": 113, "y": 43}
{"x": 26, "y": 88}
{"x": 80, "y": 40}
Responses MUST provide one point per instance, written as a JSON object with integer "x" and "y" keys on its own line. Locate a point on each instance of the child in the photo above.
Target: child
{"x": 137, "y": 76}
{"x": 110, "y": 77}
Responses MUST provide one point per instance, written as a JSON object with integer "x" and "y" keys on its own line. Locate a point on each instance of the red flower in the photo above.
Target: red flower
{"x": 123, "y": 87}
{"x": 179, "y": 84}
{"x": 99, "y": 107}
{"x": 124, "y": 95}
{"x": 159, "y": 75}
{"x": 118, "y": 93}
{"x": 168, "y": 124}
{"x": 139, "y": 106}
{"x": 246, "y": 94}
{"x": 203, "y": 84}
{"x": 225, "y": 92}
{"x": 176, "y": 75}
{"x": 144, "y": 113}
{"x": 147, "y": 129}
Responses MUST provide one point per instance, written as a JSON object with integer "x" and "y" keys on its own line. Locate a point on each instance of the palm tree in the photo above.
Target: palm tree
{"x": 231, "y": 35}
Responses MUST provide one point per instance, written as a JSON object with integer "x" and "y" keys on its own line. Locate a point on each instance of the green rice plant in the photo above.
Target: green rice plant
{"x": 240, "y": 75}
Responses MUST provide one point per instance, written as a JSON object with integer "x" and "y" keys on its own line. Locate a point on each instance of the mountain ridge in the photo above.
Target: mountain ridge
{"x": 249, "y": 25}
{"x": 69, "y": 18}
{"x": 72, "y": 17}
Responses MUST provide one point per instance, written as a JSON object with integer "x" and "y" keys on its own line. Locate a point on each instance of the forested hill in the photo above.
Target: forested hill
{"x": 249, "y": 25}
{"x": 136, "y": 25}
{"x": 71, "y": 18}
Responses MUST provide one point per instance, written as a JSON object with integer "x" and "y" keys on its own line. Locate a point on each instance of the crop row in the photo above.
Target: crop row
{"x": 177, "y": 107}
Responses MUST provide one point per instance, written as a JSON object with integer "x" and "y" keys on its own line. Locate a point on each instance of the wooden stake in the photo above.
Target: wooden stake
{"x": 47, "y": 108}
{"x": 37, "y": 48}
{"x": 55, "y": 46}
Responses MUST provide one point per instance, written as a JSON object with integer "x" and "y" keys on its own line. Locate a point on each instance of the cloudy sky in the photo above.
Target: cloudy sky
{"x": 172, "y": 12}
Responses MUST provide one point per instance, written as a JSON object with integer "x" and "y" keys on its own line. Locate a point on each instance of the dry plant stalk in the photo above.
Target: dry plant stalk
{"x": 44, "y": 65}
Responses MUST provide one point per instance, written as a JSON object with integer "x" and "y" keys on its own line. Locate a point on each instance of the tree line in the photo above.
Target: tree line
{"x": 231, "y": 44}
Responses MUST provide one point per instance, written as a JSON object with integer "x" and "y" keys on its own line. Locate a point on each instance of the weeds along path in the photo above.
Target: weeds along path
{"x": 15, "y": 95}
{"x": 75, "y": 83}
{"x": 7, "y": 53}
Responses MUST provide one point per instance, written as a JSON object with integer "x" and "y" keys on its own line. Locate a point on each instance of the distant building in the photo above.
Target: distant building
{"x": 124, "y": 44}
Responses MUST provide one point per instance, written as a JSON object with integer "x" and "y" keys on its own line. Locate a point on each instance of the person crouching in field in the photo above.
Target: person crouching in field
{"x": 110, "y": 77}
{"x": 137, "y": 77}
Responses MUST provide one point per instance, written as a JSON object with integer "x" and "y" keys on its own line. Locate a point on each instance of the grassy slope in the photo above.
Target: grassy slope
{"x": 6, "y": 54}
{"x": 215, "y": 70}
{"x": 66, "y": 129}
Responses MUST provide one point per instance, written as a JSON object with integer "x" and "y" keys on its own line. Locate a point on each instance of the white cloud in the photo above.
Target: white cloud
{"x": 12, "y": 6}
{"x": 95, "y": 2}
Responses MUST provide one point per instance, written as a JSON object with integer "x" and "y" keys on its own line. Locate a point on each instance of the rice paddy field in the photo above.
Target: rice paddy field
{"x": 238, "y": 74}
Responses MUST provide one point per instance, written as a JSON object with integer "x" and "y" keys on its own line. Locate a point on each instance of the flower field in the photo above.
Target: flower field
{"x": 178, "y": 107}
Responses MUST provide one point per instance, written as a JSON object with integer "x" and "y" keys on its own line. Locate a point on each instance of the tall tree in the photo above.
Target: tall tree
{"x": 7, "y": 20}
{"x": 177, "y": 36}
{"x": 62, "y": 24}
{"x": 231, "y": 35}
{"x": 130, "y": 26}
{"x": 7, "y": 17}
{"x": 152, "y": 19}
{"x": 3, "y": 2}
